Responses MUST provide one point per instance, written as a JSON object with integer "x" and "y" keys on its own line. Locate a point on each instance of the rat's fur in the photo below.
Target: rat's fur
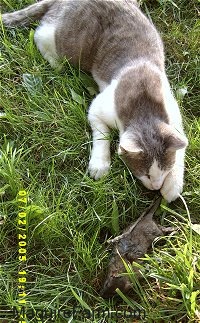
{"x": 130, "y": 246}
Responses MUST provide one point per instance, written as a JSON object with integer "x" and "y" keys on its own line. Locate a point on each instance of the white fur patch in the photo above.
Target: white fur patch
{"x": 157, "y": 175}
{"x": 102, "y": 109}
{"x": 171, "y": 105}
{"x": 173, "y": 183}
{"x": 155, "y": 178}
{"x": 45, "y": 40}
{"x": 170, "y": 182}
{"x": 102, "y": 116}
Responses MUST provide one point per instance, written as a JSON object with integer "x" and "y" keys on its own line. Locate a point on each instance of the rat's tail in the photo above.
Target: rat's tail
{"x": 27, "y": 15}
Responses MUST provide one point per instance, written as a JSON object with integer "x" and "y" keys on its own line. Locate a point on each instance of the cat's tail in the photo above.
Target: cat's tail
{"x": 27, "y": 15}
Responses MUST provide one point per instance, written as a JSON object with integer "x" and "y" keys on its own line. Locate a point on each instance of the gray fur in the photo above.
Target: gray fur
{"x": 26, "y": 16}
{"x": 114, "y": 40}
{"x": 132, "y": 245}
{"x": 102, "y": 35}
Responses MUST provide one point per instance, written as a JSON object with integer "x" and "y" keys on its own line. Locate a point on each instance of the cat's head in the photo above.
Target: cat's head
{"x": 150, "y": 152}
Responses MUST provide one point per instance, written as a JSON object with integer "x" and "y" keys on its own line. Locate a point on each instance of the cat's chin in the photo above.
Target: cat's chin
{"x": 147, "y": 183}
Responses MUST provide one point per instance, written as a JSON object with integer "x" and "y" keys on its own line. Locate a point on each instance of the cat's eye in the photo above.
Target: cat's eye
{"x": 148, "y": 176}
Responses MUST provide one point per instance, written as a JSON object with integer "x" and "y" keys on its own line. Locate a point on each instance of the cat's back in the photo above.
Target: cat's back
{"x": 95, "y": 33}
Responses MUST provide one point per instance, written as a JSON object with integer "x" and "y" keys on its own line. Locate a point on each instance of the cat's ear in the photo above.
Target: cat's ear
{"x": 176, "y": 142}
{"x": 129, "y": 149}
{"x": 173, "y": 139}
{"x": 128, "y": 145}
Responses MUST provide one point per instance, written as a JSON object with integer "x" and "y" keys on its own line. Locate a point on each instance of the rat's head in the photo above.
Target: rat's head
{"x": 150, "y": 152}
{"x": 115, "y": 279}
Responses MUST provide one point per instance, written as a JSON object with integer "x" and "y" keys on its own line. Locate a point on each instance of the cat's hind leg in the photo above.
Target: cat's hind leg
{"x": 45, "y": 41}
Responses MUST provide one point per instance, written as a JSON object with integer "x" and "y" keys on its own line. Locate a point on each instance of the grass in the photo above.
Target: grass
{"x": 45, "y": 146}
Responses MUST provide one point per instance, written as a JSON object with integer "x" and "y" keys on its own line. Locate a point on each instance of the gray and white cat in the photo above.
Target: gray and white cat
{"x": 122, "y": 49}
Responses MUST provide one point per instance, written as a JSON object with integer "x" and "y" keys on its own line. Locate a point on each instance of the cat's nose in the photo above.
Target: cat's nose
{"x": 156, "y": 185}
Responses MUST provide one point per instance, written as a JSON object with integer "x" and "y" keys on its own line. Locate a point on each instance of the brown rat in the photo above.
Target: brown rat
{"x": 131, "y": 245}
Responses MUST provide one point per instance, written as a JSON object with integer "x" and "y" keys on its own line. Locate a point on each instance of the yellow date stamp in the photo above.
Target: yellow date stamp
{"x": 22, "y": 251}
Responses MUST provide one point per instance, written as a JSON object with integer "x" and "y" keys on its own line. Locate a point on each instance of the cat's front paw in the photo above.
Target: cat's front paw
{"x": 98, "y": 167}
{"x": 172, "y": 187}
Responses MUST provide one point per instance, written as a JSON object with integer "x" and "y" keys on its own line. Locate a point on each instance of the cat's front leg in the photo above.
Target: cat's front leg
{"x": 102, "y": 117}
{"x": 99, "y": 164}
{"x": 173, "y": 183}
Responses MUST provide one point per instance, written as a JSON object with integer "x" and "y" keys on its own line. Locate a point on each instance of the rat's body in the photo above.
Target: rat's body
{"x": 132, "y": 245}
